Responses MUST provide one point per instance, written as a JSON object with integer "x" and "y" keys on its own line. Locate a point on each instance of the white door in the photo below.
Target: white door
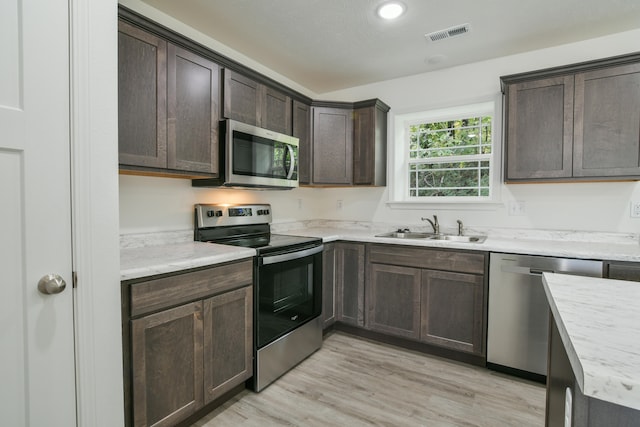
{"x": 37, "y": 386}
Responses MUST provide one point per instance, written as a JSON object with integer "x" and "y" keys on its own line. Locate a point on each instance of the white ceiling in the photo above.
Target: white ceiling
{"x": 326, "y": 45}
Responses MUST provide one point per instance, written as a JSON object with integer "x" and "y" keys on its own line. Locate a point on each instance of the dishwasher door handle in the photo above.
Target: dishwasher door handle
{"x": 528, "y": 271}
{"x": 539, "y": 271}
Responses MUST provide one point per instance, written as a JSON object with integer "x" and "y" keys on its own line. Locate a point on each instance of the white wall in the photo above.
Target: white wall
{"x": 577, "y": 206}
{"x": 149, "y": 204}
{"x": 158, "y": 204}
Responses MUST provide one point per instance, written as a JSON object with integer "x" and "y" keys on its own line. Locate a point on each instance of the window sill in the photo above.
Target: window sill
{"x": 490, "y": 205}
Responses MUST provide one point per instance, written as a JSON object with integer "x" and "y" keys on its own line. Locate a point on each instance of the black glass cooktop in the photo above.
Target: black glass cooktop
{"x": 259, "y": 239}
{"x": 274, "y": 243}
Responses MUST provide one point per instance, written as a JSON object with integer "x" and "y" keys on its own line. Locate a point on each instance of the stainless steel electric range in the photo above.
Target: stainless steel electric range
{"x": 287, "y": 285}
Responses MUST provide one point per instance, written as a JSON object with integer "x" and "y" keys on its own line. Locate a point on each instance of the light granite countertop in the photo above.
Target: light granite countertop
{"x": 599, "y": 323}
{"x": 144, "y": 261}
{"x": 149, "y": 254}
{"x": 557, "y": 244}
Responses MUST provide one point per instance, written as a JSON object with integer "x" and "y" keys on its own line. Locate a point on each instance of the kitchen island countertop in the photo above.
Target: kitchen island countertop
{"x": 599, "y": 325}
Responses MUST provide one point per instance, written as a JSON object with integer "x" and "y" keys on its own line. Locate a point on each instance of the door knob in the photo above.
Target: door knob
{"x": 51, "y": 284}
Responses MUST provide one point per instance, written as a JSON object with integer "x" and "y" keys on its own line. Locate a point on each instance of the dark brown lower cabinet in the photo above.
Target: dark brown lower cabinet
{"x": 167, "y": 365}
{"x": 452, "y": 310}
{"x": 434, "y": 296}
{"x": 188, "y": 340}
{"x": 328, "y": 285}
{"x": 622, "y": 270}
{"x": 349, "y": 258}
{"x": 228, "y": 341}
{"x": 393, "y": 300}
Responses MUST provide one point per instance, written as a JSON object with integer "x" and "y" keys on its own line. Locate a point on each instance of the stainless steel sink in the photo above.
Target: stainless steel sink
{"x": 431, "y": 236}
{"x": 406, "y": 235}
{"x": 456, "y": 238}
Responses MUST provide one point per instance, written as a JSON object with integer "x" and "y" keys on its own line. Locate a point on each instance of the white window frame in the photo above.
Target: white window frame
{"x": 398, "y": 175}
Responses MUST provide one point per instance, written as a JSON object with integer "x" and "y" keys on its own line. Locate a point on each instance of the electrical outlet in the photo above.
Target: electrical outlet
{"x": 299, "y": 203}
{"x": 339, "y": 204}
{"x": 516, "y": 208}
{"x": 635, "y": 209}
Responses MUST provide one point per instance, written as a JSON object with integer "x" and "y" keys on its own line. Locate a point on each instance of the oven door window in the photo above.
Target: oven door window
{"x": 256, "y": 156}
{"x": 288, "y": 295}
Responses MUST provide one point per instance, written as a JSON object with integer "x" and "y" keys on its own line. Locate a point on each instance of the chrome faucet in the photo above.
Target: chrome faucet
{"x": 434, "y": 224}
{"x": 460, "y": 226}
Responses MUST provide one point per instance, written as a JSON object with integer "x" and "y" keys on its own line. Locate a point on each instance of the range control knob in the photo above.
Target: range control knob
{"x": 218, "y": 213}
{"x": 210, "y": 214}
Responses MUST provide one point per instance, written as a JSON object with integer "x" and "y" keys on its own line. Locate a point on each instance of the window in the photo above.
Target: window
{"x": 450, "y": 158}
{"x": 446, "y": 155}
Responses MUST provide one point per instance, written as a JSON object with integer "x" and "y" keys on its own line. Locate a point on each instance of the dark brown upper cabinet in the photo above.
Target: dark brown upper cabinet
{"x": 173, "y": 92}
{"x": 370, "y": 143}
{"x": 168, "y": 107}
{"x": 574, "y": 123}
{"x": 332, "y": 146}
{"x": 607, "y": 122}
{"x": 348, "y": 144}
{"x": 540, "y": 129}
{"x": 248, "y": 101}
{"x": 192, "y": 132}
{"x": 302, "y": 131}
{"x": 142, "y": 98}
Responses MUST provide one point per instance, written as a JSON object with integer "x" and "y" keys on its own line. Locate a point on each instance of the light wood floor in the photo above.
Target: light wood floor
{"x": 355, "y": 382}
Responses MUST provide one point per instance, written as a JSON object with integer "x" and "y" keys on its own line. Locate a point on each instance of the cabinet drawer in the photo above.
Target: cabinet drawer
{"x": 157, "y": 294}
{"x": 434, "y": 259}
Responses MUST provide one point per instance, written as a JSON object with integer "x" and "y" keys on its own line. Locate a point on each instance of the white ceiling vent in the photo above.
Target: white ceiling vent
{"x": 458, "y": 30}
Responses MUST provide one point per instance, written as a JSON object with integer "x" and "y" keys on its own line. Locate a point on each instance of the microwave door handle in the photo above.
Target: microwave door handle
{"x": 292, "y": 166}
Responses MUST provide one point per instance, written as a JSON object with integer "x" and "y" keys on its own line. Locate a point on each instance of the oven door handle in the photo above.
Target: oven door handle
{"x": 266, "y": 260}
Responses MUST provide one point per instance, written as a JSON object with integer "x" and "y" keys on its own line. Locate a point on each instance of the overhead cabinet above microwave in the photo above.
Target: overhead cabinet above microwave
{"x": 574, "y": 123}
{"x": 248, "y": 101}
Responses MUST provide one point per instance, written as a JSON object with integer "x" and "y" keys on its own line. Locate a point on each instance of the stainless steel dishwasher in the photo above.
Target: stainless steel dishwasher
{"x": 517, "y": 331}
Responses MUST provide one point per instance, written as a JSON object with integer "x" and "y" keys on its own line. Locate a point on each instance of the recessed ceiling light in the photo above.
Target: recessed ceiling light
{"x": 391, "y": 10}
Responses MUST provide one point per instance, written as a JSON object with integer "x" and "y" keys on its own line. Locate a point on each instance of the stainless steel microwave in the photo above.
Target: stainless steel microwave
{"x": 257, "y": 157}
